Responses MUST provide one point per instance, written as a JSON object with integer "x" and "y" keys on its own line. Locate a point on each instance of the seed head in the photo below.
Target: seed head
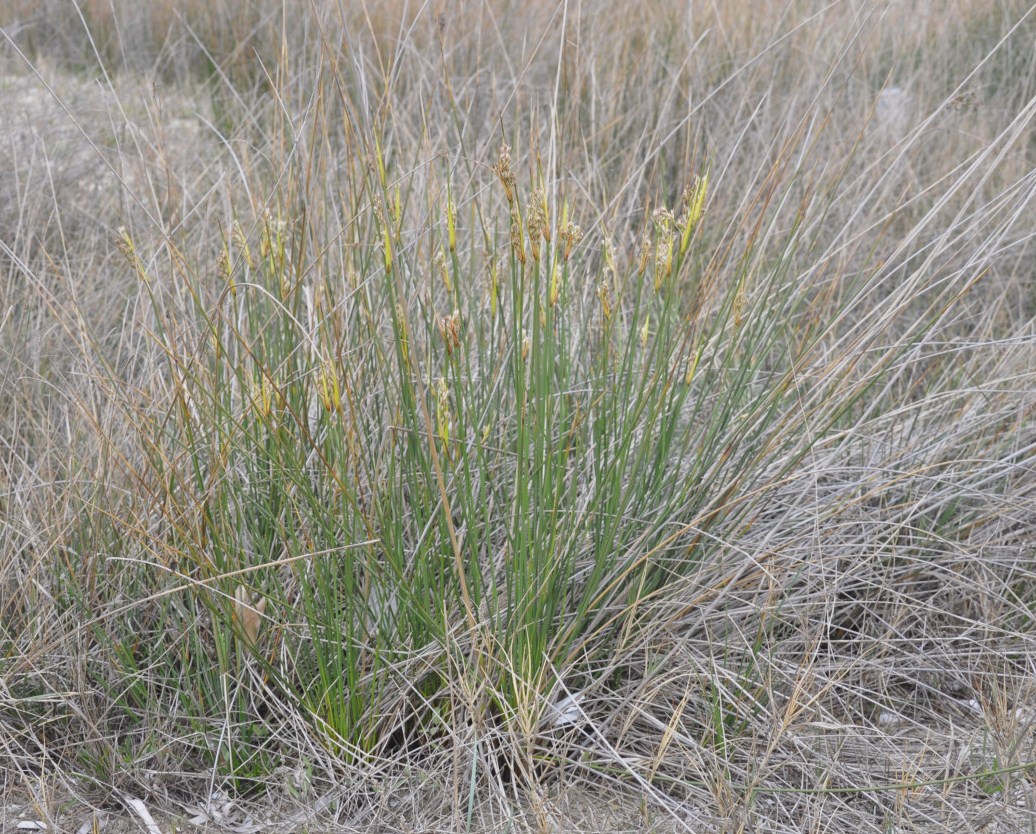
{"x": 663, "y": 257}
{"x": 238, "y": 236}
{"x": 504, "y": 172}
{"x": 537, "y": 225}
{"x": 692, "y": 367}
{"x": 442, "y": 412}
{"x": 694, "y": 207}
{"x": 539, "y": 199}
{"x": 604, "y": 295}
{"x": 570, "y": 235}
{"x": 662, "y": 218}
{"x": 451, "y": 221}
{"x": 517, "y": 244}
{"x": 386, "y": 237}
{"x": 124, "y": 243}
{"x": 262, "y": 395}
{"x": 225, "y": 273}
{"x": 609, "y": 256}
{"x": 439, "y": 262}
{"x": 449, "y": 329}
{"x": 328, "y": 388}
{"x": 645, "y": 254}
{"x": 397, "y": 208}
{"x": 404, "y": 338}
{"x": 247, "y": 614}
{"x": 739, "y": 306}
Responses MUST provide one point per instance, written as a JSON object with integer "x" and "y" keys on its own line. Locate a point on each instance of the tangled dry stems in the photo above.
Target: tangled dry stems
{"x": 852, "y": 639}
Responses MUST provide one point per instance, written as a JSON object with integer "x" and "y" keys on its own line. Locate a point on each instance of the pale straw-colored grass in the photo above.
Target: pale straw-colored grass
{"x": 327, "y": 493}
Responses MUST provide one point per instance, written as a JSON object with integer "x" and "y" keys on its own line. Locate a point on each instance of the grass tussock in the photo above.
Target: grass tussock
{"x": 525, "y": 412}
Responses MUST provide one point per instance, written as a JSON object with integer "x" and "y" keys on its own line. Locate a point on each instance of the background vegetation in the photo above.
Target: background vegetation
{"x": 520, "y": 415}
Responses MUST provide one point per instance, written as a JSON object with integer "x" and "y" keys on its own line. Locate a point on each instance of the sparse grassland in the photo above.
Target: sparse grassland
{"x": 505, "y": 417}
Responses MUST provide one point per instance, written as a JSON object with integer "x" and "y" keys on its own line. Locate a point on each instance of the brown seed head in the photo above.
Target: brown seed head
{"x": 449, "y": 329}
{"x": 517, "y": 244}
{"x": 504, "y": 172}
{"x": 247, "y": 614}
{"x": 570, "y": 236}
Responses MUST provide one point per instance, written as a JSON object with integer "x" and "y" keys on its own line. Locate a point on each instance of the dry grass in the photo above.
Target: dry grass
{"x": 762, "y": 529}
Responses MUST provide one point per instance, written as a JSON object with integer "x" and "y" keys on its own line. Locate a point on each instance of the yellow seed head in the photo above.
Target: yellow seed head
{"x": 380, "y": 161}
{"x": 124, "y": 243}
{"x": 604, "y": 295}
{"x": 328, "y": 388}
{"x": 739, "y": 306}
{"x": 645, "y": 255}
{"x": 262, "y": 395}
{"x": 238, "y": 236}
{"x": 451, "y": 221}
{"x": 694, "y": 207}
{"x": 691, "y": 368}
{"x": 225, "y": 273}
{"x": 387, "y": 247}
